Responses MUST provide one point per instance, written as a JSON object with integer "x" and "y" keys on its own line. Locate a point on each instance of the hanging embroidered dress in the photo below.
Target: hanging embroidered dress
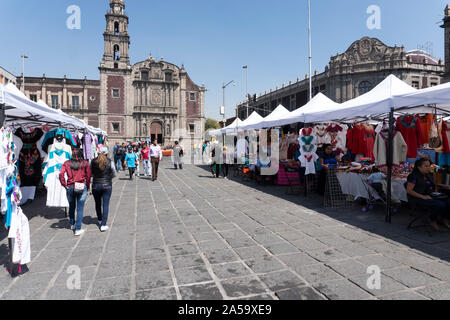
{"x": 29, "y": 158}
{"x": 411, "y": 130}
{"x": 59, "y": 153}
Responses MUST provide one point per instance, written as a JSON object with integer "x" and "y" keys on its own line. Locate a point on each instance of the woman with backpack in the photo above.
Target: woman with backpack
{"x": 103, "y": 172}
{"x": 78, "y": 174}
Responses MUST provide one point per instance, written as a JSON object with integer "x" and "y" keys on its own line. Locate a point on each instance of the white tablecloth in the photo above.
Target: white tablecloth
{"x": 355, "y": 184}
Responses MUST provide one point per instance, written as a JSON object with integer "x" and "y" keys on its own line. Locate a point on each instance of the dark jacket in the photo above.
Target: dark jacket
{"x": 102, "y": 177}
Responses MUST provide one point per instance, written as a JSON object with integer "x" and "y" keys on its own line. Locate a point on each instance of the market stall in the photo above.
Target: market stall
{"x": 36, "y": 140}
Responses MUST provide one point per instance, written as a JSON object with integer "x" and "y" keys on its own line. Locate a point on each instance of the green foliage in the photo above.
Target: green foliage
{"x": 211, "y": 124}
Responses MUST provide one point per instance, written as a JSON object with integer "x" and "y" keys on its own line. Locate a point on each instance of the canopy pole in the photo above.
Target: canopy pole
{"x": 2, "y": 115}
{"x": 390, "y": 160}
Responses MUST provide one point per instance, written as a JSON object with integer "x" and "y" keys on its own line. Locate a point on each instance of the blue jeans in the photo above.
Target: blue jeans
{"x": 439, "y": 208}
{"x": 102, "y": 195}
{"x": 118, "y": 163}
{"x": 76, "y": 201}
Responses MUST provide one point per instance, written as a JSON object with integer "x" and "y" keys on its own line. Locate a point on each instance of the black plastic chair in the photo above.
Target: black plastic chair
{"x": 421, "y": 214}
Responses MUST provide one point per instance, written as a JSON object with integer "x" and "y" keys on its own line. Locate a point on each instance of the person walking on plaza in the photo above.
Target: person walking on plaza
{"x": 137, "y": 151}
{"x": 117, "y": 156}
{"x": 123, "y": 154}
{"x": 226, "y": 161}
{"x": 145, "y": 153}
{"x": 156, "y": 157}
{"x": 103, "y": 172}
{"x": 177, "y": 156}
{"x": 214, "y": 156}
{"x": 77, "y": 184}
{"x": 131, "y": 162}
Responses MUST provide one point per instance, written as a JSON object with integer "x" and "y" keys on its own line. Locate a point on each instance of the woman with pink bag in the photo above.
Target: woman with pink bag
{"x": 78, "y": 174}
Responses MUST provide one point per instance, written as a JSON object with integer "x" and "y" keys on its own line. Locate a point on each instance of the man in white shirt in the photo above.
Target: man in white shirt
{"x": 156, "y": 157}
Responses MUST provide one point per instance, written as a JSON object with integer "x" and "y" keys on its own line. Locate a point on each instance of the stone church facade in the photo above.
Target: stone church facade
{"x": 152, "y": 99}
{"x": 360, "y": 68}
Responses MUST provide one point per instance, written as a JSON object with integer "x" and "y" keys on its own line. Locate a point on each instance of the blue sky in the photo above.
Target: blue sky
{"x": 212, "y": 38}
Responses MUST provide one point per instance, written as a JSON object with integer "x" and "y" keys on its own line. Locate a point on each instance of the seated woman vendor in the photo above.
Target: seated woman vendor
{"x": 328, "y": 158}
{"x": 420, "y": 187}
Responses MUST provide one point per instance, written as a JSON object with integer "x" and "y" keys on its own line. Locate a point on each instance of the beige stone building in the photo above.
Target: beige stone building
{"x": 152, "y": 99}
{"x": 361, "y": 67}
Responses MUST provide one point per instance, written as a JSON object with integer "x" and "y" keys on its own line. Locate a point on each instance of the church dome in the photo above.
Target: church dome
{"x": 421, "y": 56}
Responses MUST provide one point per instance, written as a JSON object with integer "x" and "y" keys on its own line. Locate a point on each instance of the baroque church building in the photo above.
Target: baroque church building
{"x": 151, "y": 99}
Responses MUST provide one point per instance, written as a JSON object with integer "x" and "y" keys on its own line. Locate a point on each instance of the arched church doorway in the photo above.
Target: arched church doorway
{"x": 156, "y": 132}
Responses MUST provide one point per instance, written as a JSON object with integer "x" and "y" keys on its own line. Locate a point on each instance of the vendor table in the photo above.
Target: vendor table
{"x": 286, "y": 177}
{"x": 355, "y": 184}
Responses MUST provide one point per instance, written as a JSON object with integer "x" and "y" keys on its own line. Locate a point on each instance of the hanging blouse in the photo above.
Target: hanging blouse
{"x": 30, "y": 158}
{"x": 426, "y": 122}
{"x": 59, "y": 153}
{"x": 322, "y": 135}
{"x": 48, "y": 139}
{"x": 369, "y": 135}
{"x": 411, "y": 130}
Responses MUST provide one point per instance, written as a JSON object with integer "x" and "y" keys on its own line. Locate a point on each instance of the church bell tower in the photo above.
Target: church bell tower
{"x": 115, "y": 74}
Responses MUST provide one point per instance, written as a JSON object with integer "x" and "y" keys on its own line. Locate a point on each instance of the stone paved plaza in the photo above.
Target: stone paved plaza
{"x": 189, "y": 236}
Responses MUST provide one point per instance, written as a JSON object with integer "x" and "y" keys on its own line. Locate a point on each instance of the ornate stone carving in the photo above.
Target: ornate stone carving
{"x": 367, "y": 50}
{"x": 156, "y": 96}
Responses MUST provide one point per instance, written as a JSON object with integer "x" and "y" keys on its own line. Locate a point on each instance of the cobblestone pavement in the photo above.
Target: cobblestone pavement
{"x": 189, "y": 236}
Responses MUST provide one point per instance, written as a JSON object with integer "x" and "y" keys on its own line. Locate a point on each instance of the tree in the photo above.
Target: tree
{"x": 211, "y": 124}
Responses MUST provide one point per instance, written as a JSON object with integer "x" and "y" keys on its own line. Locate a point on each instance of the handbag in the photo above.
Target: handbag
{"x": 435, "y": 141}
{"x": 79, "y": 187}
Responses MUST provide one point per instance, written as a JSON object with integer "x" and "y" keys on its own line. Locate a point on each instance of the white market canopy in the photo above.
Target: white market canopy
{"x": 320, "y": 103}
{"x": 234, "y": 127}
{"x": 21, "y": 110}
{"x": 254, "y": 118}
{"x": 271, "y": 120}
{"x": 420, "y": 101}
{"x": 378, "y": 101}
{"x": 229, "y": 129}
{"x": 80, "y": 122}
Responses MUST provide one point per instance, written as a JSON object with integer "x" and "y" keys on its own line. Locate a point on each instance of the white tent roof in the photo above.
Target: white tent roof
{"x": 379, "y": 100}
{"x": 232, "y": 127}
{"x": 271, "y": 120}
{"x": 254, "y": 118}
{"x": 75, "y": 121}
{"x": 439, "y": 95}
{"x": 319, "y": 103}
{"x": 21, "y": 110}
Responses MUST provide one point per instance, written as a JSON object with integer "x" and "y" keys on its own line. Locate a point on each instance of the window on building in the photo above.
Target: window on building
{"x": 116, "y": 28}
{"x": 116, "y": 127}
{"x": 33, "y": 97}
{"x": 115, "y": 93}
{"x": 192, "y": 96}
{"x": 116, "y": 52}
{"x": 144, "y": 75}
{"x": 191, "y": 128}
{"x": 116, "y": 66}
{"x": 168, "y": 77}
{"x": 433, "y": 84}
{"x": 55, "y": 104}
{"x": 75, "y": 102}
{"x": 415, "y": 84}
{"x": 364, "y": 87}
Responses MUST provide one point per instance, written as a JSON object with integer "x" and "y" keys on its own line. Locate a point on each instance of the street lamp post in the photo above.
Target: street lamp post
{"x": 224, "y": 87}
{"x": 246, "y": 85}
{"x": 309, "y": 45}
{"x": 23, "y": 71}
